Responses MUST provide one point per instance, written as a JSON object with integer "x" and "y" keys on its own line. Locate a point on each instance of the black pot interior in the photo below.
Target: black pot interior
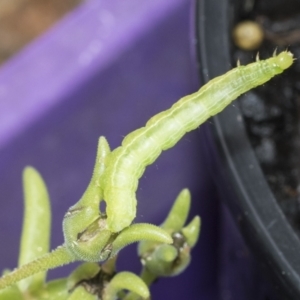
{"x": 237, "y": 172}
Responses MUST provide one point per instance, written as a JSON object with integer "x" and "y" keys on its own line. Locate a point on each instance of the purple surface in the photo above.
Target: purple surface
{"x": 238, "y": 265}
{"x": 85, "y": 42}
{"x": 104, "y": 70}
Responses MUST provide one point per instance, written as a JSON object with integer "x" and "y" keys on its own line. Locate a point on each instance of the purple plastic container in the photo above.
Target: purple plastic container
{"x": 104, "y": 70}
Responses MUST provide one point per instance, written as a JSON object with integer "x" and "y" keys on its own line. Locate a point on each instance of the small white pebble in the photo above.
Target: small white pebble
{"x": 248, "y": 35}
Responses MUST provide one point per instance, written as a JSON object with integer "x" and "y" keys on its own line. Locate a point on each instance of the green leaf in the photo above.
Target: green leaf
{"x": 179, "y": 212}
{"x": 82, "y": 272}
{"x": 126, "y": 281}
{"x": 53, "y": 290}
{"x": 84, "y": 218}
{"x": 139, "y": 232}
{"x": 80, "y": 293}
{"x": 170, "y": 260}
{"x": 12, "y": 292}
{"x": 191, "y": 231}
{"x": 36, "y": 225}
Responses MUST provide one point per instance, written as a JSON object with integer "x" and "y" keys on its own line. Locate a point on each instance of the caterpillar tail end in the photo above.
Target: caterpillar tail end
{"x": 120, "y": 210}
{"x": 118, "y": 223}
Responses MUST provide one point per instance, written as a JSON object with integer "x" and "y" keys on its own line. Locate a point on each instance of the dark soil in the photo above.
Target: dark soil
{"x": 272, "y": 112}
{"x": 23, "y": 20}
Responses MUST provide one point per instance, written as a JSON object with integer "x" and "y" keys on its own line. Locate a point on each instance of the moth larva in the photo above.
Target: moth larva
{"x": 140, "y": 148}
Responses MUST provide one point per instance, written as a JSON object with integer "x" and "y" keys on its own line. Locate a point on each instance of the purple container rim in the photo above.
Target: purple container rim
{"x": 85, "y": 41}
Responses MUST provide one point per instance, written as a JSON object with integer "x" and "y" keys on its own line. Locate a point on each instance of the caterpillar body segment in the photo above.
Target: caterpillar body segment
{"x": 141, "y": 148}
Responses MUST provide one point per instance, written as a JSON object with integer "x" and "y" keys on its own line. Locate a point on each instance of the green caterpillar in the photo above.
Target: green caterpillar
{"x": 140, "y": 148}
{"x": 92, "y": 235}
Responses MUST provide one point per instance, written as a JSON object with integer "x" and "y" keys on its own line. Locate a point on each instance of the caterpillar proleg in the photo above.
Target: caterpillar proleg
{"x": 140, "y": 148}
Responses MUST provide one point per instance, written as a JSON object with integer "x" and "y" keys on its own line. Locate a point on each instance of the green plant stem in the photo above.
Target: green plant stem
{"x": 58, "y": 257}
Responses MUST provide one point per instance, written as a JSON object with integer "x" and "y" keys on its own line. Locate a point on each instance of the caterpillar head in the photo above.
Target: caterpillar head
{"x": 283, "y": 60}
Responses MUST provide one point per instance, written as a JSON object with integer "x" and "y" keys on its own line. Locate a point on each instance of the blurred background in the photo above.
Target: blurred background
{"x": 23, "y": 20}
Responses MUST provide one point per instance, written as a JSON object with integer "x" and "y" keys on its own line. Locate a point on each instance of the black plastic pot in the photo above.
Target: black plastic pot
{"x": 236, "y": 170}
